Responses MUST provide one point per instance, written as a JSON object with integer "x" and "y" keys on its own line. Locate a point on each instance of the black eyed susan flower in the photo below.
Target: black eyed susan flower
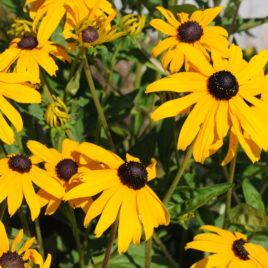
{"x": 132, "y": 24}
{"x": 192, "y": 31}
{"x": 231, "y": 250}
{"x": 15, "y": 256}
{"x": 221, "y": 96}
{"x": 91, "y": 29}
{"x": 17, "y": 175}
{"x": 15, "y": 86}
{"x": 124, "y": 193}
{"x": 31, "y": 52}
{"x": 45, "y": 10}
{"x": 66, "y": 167}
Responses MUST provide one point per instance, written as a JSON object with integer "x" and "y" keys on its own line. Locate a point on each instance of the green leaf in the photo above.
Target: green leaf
{"x": 245, "y": 24}
{"x": 187, "y": 8}
{"x": 252, "y": 196}
{"x": 248, "y": 218}
{"x": 187, "y": 199}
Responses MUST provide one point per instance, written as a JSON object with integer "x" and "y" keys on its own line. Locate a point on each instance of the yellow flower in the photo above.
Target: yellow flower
{"x": 12, "y": 256}
{"x": 231, "y": 249}
{"x": 53, "y": 12}
{"x": 220, "y": 95}
{"x": 132, "y": 24}
{"x": 91, "y": 29}
{"x": 14, "y": 86}
{"x": 29, "y": 52}
{"x": 124, "y": 193}
{"x": 193, "y": 31}
{"x": 67, "y": 167}
{"x": 56, "y": 114}
{"x": 17, "y": 175}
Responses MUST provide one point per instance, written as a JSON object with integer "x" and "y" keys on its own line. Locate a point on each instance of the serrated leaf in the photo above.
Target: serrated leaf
{"x": 248, "y": 218}
{"x": 252, "y": 196}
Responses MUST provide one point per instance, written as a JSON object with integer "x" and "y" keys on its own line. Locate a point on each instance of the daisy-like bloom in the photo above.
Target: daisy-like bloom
{"x": 19, "y": 256}
{"x": 192, "y": 31}
{"x": 47, "y": 8}
{"x": 66, "y": 167}
{"x": 220, "y": 95}
{"x": 231, "y": 249}
{"x": 124, "y": 193}
{"x": 15, "y": 86}
{"x": 17, "y": 175}
{"x": 30, "y": 52}
{"x": 91, "y": 29}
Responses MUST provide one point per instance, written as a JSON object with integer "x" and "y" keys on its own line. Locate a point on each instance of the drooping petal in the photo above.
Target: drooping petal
{"x": 4, "y": 246}
{"x": 6, "y": 132}
{"x": 164, "y": 45}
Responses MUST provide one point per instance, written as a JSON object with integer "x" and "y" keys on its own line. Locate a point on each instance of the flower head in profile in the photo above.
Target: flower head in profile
{"x": 17, "y": 175}
{"x": 220, "y": 96}
{"x": 51, "y": 12}
{"x": 124, "y": 194}
{"x": 30, "y": 52}
{"x": 19, "y": 256}
{"x": 67, "y": 167}
{"x": 193, "y": 30}
{"x": 132, "y": 24}
{"x": 91, "y": 29}
{"x": 231, "y": 249}
{"x": 15, "y": 86}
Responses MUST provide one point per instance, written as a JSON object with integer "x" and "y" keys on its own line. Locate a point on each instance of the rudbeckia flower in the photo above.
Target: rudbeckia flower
{"x": 14, "y": 256}
{"x": 124, "y": 193}
{"x": 17, "y": 175}
{"x": 66, "y": 167}
{"x": 192, "y": 31}
{"x": 220, "y": 95}
{"x": 91, "y": 29}
{"x": 14, "y": 86}
{"x": 54, "y": 11}
{"x": 30, "y": 52}
{"x": 231, "y": 249}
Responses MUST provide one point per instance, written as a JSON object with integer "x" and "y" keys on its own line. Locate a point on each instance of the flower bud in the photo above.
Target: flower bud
{"x": 132, "y": 24}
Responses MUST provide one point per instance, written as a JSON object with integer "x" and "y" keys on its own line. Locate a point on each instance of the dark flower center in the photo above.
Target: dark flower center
{"x": 11, "y": 260}
{"x": 133, "y": 174}
{"x": 66, "y": 168}
{"x": 90, "y": 34}
{"x": 20, "y": 163}
{"x": 239, "y": 250}
{"x": 189, "y": 32}
{"x": 28, "y": 42}
{"x": 223, "y": 85}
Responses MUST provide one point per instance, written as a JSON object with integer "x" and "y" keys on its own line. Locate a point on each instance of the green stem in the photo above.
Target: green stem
{"x": 137, "y": 81}
{"x": 24, "y": 222}
{"x": 229, "y": 192}
{"x": 72, "y": 218}
{"x": 46, "y": 89}
{"x": 161, "y": 245}
{"x": 19, "y": 141}
{"x": 75, "y": 62}
{"x": 97, "y": 102}
{"x": 234, "y": 19}
{"x": 179, "y": 174}
{"x": 148, "y": 249}
{"x": 110, "y": 244}
{"x": 69, "y": 134}
{"x": 39, "y": 237}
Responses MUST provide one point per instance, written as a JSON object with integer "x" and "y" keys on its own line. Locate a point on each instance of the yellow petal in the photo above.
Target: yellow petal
{"x": 47, "y": 183}
{"x": 233, "y": 143}
{"x": 174, "y": 107}
{"x": 68, "y": 147}
{"x": 169, "y": 16}
{"x": 4, "y": 239}
{"x": 197, "y": 59}
{"x": 100, "y": 154}
{"x": 110, "y": 211}
{"x": 132, "y": 158}
{"x": 14, "y": 78}
{"x": 163, "y": 27}
{"x": 151, "y": 169}
{"x": 11, "y": 113}
{"x": 164, "y": 45}
{"x": 8, "y": 57}
{"x": 209, "y": 15}
{"x": 6, "y": 132}
{"x": 49, "y": 23}
{"x": 30, "y": 197}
